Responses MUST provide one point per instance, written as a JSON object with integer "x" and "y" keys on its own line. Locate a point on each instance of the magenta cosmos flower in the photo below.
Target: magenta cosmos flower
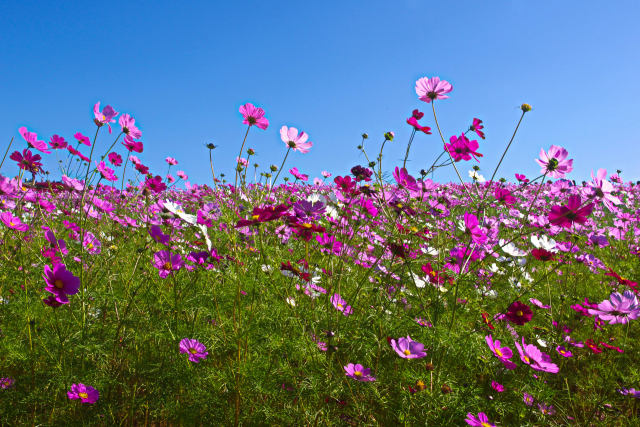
{"x": 85, "y": 393}
{"x": 27, "y": 160}
{"x": 502, "y": 353}
{"x": 106, "y": 172}
{"x": 195, "y": 349}
{"x": 341, "y": 305}
{"x": 519, "y": 313}
{"x": 254, "y": 116}
{"x": 359, "y": 372}
{"x": 532, "y": 356}
{"x": 480, "y": 421}
{"x": 104, "y": 117}
{"x": 167, "y": 262}
{"x": 429, "y": 89}
{"x": 128, "y": 125}
{"x": 408, "y": 348}
{"x": 32, "y": 140}
{"x": 619, "y": 308}
{"x": 565, "y": 216}
{"x": 60, "y": 282}
{"x": 294, "y": 140}
{"x": 13, "y": 222}
{"x": 554, "y": 162}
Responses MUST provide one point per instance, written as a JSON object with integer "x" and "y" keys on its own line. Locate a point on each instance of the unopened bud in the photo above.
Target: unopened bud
{"x": 525, "y": 108}
{"x": 388, "y": 136}
{"x": 365, "y": 136}
{"x": 273, "y": 168}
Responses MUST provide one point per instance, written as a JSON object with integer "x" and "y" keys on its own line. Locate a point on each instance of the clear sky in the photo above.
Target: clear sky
{"x": 334, "y": 69}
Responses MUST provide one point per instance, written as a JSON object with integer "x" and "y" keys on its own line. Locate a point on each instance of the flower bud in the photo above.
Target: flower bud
{"x": 525, "y": 108}
{"x": 365, "y": 136}
{"x": 388, "y": 136}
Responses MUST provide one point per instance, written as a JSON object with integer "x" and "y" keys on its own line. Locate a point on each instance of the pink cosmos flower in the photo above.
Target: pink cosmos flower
{"x": 27, "y": 160}
{"x": 171, "y": 161}
{"x": 254, "y": 116}
{"x": 128, "y": 125}
{"x": 480, "y": 421}
{"x": 538, "y": 303}
{"x": 85, "y": 393}
{"x": 132, "y": 145}
{"x": 106, "y": 172}
{"x": 602, "y": 189}
{"x": 472, "y": 228}
{"x": 502, "y": 353}
{"x": 325, "y": 174}
{"x": 565, "y": 216}
{"x": 182, "y": 175}
{"x": 115, "y": 159}
{"x": 408, "y": 348}
{"x": 555, "y": 163}
{"x": 295, "y": 172}
{"x": 497, "y": 386}
{"x": 413, "y": 121}
{"x": 105, "y": 116}
{"x": 562, "y": 351}
{"x": 167, "y": 262}
{"x": 358, "y": 372}
{"x": 60, "y": 282}
{"x": 155, "y": 184}
{"x": 82, "y": 139}
{"x": 405, "y": 180}
{"x": 619, "y": 308}
{"x": 504, "y": 196}
{"x": 429, "y": 89}
{"x": 341, "y": 305}
{"x": 32, "y": 140}
{"x": 536, "y": 359}
{"x": 57, "y": 142}
{"x": 195, "y": 349}
{"x": 13, "y": 222}
{"x": 461, "y": 148}
{"x": 294, "y": 140}
{"x": 476, "y": 127}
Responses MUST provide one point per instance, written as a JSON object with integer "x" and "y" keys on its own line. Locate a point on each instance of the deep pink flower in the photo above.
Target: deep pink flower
{"x": 128, "y": 125}
{"x": 504, "y": 196}
{"x": 85, "y": 393}
{"x": 132, "y": 145}
{"x": 472, "y": 228}
{"x": 167, "y": 262}
{"x": 13, "y": 222}
{"x": 413, "y": 121}
{"x": 565, "y": 216}
{"x": 480, "y": 421}
{"x": 106, "y": 172}
{"x": 555, "y": 163}
{"x": 254, "y": 116}
{"x": 115, "y": 159}
{"x": 497, "y": 386}
{"x": 405, "y": 180}
{"x": 27, "y": 160}
{"x": 294, "y": 140}
{"x": 82, "y": 139}
{"x": 104, "y": 117}
{"x": 519, "y": 313}
{"x": 502, "y": 353}
{"x": 57, "y": 142}
{"x": 536, "y": 359}
{"x": 358, "y": 372}
{"x": 477, "y": 127}
{"x": 563, "y": 351}
{"x": 60, "y": 282}
{"x": 155, "y": 184}
{"x": 429, "y": 89}
{"x": 522, "y": 178}
{"x": 32, "y": 140}
{"x": 461, "y": 148}
{"x": 341, "y": 305}
{"x": 295, "y": 172}
{"x": 408, "y": 348}
{"x": 195, "y": 349}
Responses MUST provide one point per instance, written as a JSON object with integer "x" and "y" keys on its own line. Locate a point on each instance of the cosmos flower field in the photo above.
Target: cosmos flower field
{"x": 375, "y": 296}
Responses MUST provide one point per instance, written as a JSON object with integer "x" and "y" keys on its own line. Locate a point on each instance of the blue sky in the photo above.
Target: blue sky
{"x": 334, "y": 69}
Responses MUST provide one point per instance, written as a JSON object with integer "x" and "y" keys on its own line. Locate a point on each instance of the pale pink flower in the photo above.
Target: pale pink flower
{"x": 429, "y": 89}
{"x": 294, "y": 140}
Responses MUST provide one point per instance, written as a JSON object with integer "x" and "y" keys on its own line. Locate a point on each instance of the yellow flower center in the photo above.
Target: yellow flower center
{"x": 519, "y": 313}
{"x": 11, "y": 223}
{"x": 340, "y": 305}
{"x": 407, "y": 352}
{"x": 58, "y": 284}
{"x": 83, "y": 395}
{"x": 498, "y": 352}
{"x": 485, "y": 425}
{"x": 255, "y": 217}
{"x": 90, "y": 246}
{"x": 193, "y": 351}
{"x": 357, "y": 373}
{"x": 167, "y": 265}
{"x": 526, "y": 359}
{"x": 306, "y": 225}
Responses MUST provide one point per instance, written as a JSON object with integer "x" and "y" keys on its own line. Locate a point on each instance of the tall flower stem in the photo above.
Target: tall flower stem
{"x": 536, "y": 196}
{"x": 213, "y": 175}
{"x": 406, "y": 155}
{"x": 281, "y": 166}
{"x": 240, "y": 154}
{"x": 6, "y": 152}
{"x": 433, "y": 107}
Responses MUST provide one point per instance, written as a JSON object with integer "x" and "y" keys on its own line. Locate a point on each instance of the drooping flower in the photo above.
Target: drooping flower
{"x": 32, "y": 140}
{"x": 195, "y": 349}
{"x": 294, "y": 140}
{"x": 408, "y": 348}
{"x": 253, "y": 116}
{"x": 480, "y": 421}
{"x": 358, "y": 372}
{"x": 128, "y": 125}
{"x": 429, "y": 89}
{"x": 413, "y": 121}
{"x": 60, "y": 282}
{"x": 554, "y": 163}
{"x": 132, "y": 145}
{"x": 519, "y": 313}
{"x": 565, "y": 216}
{"x": 502, "y": 353}
{"x": 619, "y": 308}
{"x": 477, "y": 127}
{"x": 341, "y": 305}
{"x": 85, "y": 393}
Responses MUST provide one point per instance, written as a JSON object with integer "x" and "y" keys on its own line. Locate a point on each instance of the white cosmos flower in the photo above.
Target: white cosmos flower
{"x": 544, "y": 242}
{"x": 511, "y": 249}
{"x": 476, "y": 176}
